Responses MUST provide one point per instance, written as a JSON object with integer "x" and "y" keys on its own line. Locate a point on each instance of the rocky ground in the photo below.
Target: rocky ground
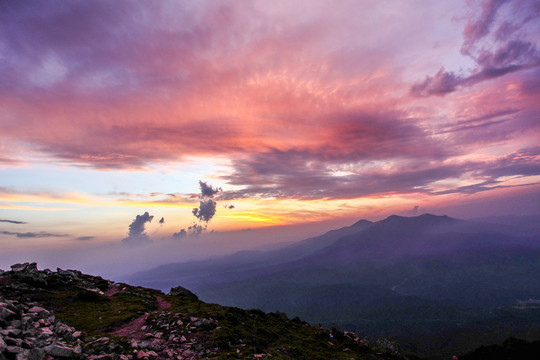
{"x": 66, "y": 314}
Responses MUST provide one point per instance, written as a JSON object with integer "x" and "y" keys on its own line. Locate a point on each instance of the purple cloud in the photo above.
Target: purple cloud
{"x": 208, "y": 190}
{"x": 512, "y": 48}
{"x": 136, "y": 235}
{"x": 179, "y": 235}
{"x": 85, "y": 238}
{"x": 480, "y": 27}
{"x": 41, "y": 234}
{"x": 207, "y": 206}
{"x": 442, "y": 83}
{"x": 12, "y": 221}
{"x": 206, "y": 210}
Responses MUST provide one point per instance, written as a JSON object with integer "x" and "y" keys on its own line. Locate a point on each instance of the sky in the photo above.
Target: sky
{"x": 273, "y": 120}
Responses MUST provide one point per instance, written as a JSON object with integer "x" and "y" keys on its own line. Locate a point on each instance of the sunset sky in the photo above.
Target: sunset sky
{"x": 316, "y": 112}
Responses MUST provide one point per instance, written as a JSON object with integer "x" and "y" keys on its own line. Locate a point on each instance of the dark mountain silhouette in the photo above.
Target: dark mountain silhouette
{"x": 439, "y": 285}
{"x": 231, "y": 267}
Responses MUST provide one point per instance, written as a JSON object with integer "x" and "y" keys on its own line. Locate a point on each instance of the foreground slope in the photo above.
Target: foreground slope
{"x": 67, "y": 314}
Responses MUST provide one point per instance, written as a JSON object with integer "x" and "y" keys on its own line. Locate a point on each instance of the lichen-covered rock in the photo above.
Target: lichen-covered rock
{"x": 59, "y": 350}
{"x": 182, "y": 291}
{"x": 28, "y": 267}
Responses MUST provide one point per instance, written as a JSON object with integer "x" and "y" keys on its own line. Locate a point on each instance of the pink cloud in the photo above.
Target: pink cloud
{"x": 288, "y": 96}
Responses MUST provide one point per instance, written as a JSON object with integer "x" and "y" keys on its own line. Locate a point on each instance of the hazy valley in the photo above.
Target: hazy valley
{"x": 435, "y": 284}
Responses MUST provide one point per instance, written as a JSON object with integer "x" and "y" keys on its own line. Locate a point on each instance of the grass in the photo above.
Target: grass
{"x": 244, "y": 333}
{"x": 238, "y": 334}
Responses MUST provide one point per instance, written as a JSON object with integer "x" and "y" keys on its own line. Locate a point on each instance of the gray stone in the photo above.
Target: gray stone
{"x": 24, "y": 267}
{"x": 14, "y": 349}
{"x": 5, "y": 313}
{"x": 2, "y": 344}
{"x": 38, "y": 310}
{"x": 36, "y": 354}
{"x": 11, "y": 332}
{"x": 13, "y": 341}
{"x": 59, "y": 350}
{"x": 181, "y": 291}
{"x": 23, "y": 355}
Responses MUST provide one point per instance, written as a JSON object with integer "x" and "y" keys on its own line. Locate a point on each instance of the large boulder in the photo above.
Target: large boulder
{"x": 59, "y": 350}
{"x": 182, "y": 291}
{"x": 27, "y": 267}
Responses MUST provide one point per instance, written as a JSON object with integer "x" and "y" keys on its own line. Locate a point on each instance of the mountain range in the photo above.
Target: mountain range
{"x": 436, "y": 285}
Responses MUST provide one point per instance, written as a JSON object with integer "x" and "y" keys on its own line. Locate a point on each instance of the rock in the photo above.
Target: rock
{"x": 23, "y": 355}
{"x": 59, "y": 350}
{"x": 11, "y": 332}
{"x": 6, "y": 314}
{"x": 100, "y": 357}
{"x": 14, "y": 349}
{"x": 36, "y": 354}
{"x": 38, "y": 310}
{"x": 181, "y": 291}
{"x": 24, "y": 267}
{"x": 76, "y": 274}
{"x": 141, "y": 354}
{"x": 46, "y": 331}
{"x": 2, "y": 344}
{"x": 169, "y": 353}
{"x": 14, "y": 342}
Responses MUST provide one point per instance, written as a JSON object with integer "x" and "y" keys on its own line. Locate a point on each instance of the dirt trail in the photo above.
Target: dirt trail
{"x": 162, "y": 304}
{"x": 112, "y": 291}
{"x": 133, "y": 329}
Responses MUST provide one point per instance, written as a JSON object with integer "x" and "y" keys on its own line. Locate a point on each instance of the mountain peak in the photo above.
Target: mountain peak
{"x": 423, "y": 218}
{"x": 362, "y": 222}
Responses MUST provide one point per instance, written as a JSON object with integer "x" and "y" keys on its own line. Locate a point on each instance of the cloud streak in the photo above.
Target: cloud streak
{"x": 32, "y": 235}
{"x": 12, "y": 221}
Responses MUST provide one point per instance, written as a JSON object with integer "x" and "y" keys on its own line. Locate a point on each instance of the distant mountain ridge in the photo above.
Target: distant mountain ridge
{"x": 189, "y": 273}
{"x": 402, "y": 276}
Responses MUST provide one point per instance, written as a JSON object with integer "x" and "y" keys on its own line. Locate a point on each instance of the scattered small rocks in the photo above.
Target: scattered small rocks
{"x": 30, "y": 331}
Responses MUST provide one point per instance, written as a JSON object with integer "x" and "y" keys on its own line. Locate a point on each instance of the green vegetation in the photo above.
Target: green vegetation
{"x": 95, "y": 313}
{"x": 103, "y": 310}
{"x": 244, "y": 333}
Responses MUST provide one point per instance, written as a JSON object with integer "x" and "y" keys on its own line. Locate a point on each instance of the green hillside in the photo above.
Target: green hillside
{"x": 67, "y": 314}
